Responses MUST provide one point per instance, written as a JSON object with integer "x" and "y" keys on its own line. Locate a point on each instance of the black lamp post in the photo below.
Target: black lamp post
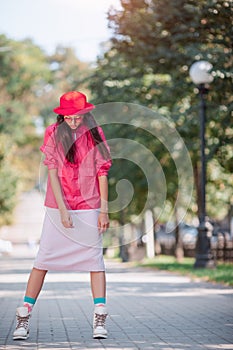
{"x": 199, "y": 73}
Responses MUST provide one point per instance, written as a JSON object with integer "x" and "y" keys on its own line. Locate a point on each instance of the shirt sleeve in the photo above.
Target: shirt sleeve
{"x": 49, "y": 148}
{"x": 102, "y": 165}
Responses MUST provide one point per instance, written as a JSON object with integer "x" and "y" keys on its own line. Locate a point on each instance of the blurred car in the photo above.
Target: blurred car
{"x": 188, "y": 235}
{"x": 166, "y": 235}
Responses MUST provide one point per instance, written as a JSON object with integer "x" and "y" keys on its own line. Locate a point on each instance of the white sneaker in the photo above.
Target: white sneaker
{"x": 99, "y": 330}
{"x": 22, "y": 323}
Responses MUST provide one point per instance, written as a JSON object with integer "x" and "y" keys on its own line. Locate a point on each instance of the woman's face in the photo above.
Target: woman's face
{"x": 73, "y": 120}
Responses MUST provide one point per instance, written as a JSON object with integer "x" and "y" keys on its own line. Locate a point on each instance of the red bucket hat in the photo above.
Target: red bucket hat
{"x": 73, "y": 102}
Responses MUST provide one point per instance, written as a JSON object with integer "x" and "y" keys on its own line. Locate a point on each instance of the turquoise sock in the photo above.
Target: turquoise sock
{"x": 29, "y": 300}
{"x": 99, "y": 301}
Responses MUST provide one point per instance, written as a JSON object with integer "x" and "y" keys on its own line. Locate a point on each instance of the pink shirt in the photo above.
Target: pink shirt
{"x": 79, "y": 181}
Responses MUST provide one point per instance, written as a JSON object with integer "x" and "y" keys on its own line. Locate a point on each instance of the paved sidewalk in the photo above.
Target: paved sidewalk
{"x": 148, "y": 309}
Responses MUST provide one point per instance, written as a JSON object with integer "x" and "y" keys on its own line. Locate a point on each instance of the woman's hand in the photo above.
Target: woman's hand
{"x": 56, "y": 187}
{"x": 103, "y": 222}
{"x": 66, "y": 218}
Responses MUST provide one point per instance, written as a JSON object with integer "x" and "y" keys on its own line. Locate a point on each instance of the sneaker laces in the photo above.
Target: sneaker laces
{"x": 100, "y": 320}
{"x": 22, "y": 322}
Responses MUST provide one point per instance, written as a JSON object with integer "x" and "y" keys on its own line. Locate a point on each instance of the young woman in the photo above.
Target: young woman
{"x": 78, "y": 160}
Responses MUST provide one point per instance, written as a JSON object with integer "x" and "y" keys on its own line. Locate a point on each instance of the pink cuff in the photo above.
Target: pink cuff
{"x": 102, "y": 173}
{"x": 51, "y": 166}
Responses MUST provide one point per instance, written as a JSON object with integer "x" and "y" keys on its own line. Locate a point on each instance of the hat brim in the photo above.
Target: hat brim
{"x": 72, "y": 111}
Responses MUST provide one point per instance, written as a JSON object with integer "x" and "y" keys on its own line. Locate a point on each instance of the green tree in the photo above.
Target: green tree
{"x": 154, "y": 44}
{"x": 31, "y": 83}
{"x": 8, "y": 180}
{"x": 23, "y": 68}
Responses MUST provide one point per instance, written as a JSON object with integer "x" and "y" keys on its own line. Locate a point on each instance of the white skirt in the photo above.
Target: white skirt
{"x": 70, "y": 249}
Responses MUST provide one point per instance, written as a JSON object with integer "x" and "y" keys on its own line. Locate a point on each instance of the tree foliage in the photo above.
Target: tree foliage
{"x": 30, "y": 85}
{"x": 154, "y": 44}
{"x": 23, "y": 68}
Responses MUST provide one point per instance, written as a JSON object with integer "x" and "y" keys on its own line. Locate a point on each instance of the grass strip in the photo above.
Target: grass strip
{"x": 223, "y": 273}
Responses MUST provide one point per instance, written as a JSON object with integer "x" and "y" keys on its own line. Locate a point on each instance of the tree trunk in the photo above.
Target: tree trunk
{"x": 179, "y": 251}
{"x": 123, "y": 247}
{"x": 156, "y": 242}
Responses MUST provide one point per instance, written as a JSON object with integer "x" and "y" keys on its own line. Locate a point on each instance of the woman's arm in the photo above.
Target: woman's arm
{"x": 56, "y": 187}
{"x": 103, "y": 220}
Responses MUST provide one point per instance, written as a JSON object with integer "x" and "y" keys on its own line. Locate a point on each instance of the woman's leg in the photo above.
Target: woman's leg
{"x": 98, "y": 284}
{"x": 98, "y": 287}
{"x": 35, "y": 283}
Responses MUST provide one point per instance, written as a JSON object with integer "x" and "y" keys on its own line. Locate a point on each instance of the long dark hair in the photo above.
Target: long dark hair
{"x": 64, "y": 136}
